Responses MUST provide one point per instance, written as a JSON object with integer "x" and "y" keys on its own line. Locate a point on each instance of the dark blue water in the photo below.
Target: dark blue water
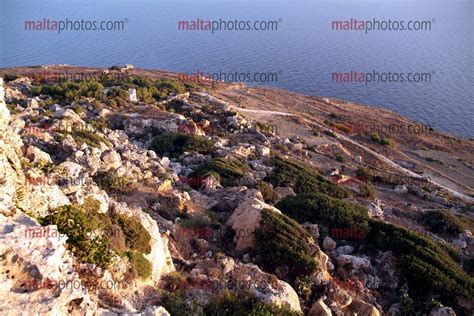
{"x": 304, "y": 52}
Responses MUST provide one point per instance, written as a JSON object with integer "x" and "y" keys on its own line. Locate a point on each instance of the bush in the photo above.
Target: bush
{"x": 427, "y": 267}
{"x": 443, "y": 222}
{"x": 320, "y": 208}
{"x": 109, "y": 181}
{"x": 301, "y": 177}
{"x": 375, "y": 137}
{"x": 367, "y": 191}
{"x": 87, "y": 137}
{"x": 137, "y": 237}
{"x": 266, "y": 189}
{"x": 227, "y": 171}
{"x": 140, "y": 264}
{"x": 282, "y": 241}
{"x": 364, "y": 173}
{"x": 229, "y": 303}
{"x": 329, "y": 133}
{"x": 340, "y": 158}
{"x": 385, "y": 141}
{"x": 176, "y": 144}
{"x": 80, "y": 224}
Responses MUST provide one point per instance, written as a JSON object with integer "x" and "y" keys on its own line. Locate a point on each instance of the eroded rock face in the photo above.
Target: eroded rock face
{"x": 218, "y": 274}
{"x": 319, "y": 308}
{"x": 11, "y": 177}
{"x": 35, "y": 271}
{"x": 362, "y": 308}
{"x": 246, "y": 219}
{"x": 159, "y": 256}
{"x": 443, "y": 311}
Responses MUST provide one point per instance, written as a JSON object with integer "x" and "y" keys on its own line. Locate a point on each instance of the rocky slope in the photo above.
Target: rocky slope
{"x": 154, "y": 196}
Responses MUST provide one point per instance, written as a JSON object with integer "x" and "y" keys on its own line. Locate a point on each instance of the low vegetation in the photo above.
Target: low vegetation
{"x": 231, "y": 303}
{"x": 227, "y": 171}
{"x": 176, "y": 144}
{"x": 96, "y": 238}
{"x": 279, "y": 240}
{"x": 79, "y": 224}
{"x": 301, "y": 177}
{"x": 445, "y": 223}
{"x": 267, "y": 191}
{"x": 367, "y": 191}
{"x": 110, "y": 181}
{"x": 428, "y": 268}
{"x": 322, "y": 209}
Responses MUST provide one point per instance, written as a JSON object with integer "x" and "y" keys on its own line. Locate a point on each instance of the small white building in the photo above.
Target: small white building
{"x": 127, "y": 67}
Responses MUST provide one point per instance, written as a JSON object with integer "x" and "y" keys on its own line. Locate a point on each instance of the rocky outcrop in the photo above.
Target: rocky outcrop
{"x": 36, "y": 271}
{"x": 246, "y": 219}
{"x": 159, "y": 255}
{"x": 11, "y": 178}
{"x": 319, "y": 308}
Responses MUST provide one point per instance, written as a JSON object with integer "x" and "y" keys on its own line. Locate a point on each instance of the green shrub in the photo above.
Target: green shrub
{"x": 340, "y": 158}
{"x": 109, "y": 181}
{"x": 444, "y": 222}
{"x": 367, "y": 191}
{"x": 70, "y": 91}
{"x": 229, "y": 303}
{"x": 176, "y": 144}
{"x": 227, "y": 171}
{"x": 282, "y": 241}
{"x": 137, "y": 237}
{"x": 385, "y": 141}
{"x": 90, "y": 138}
{"x": 266, "y": 189}
{"x": 364, "y": 173}
{"x": 10, "y": 77}
{"x": 174, "y": 302}
{"x": 329, "y": 133}
{"x": 322, "y": 209}
{"x": 301, "y": 177}
{"x": 375, "y": 137}
{"x": 427, "y": 267}
{"x": 81, "y": 224}
{"x": 140, "y": 264}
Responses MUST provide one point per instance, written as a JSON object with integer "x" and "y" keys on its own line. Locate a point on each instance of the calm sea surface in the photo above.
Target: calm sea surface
{"x": 304, "y": 51}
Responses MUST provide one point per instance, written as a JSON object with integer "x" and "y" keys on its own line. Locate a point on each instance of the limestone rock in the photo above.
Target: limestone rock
{"x": 159, "y": 256}
{"x": 443, "y": 311}
{"x": 319, "y": 308}
{"x": 35, "y": 269}
{"x": 362, "y": 308}
{"x": 110, "y": 159}
{"x": 246, "y": 219}
{"x": 329, "y": 244}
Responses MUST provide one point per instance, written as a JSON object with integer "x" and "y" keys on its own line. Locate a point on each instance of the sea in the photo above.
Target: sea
{"x": 348, "y": 49}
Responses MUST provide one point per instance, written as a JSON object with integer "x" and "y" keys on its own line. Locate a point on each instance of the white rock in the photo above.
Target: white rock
{"x": 443, "y": 311}
{"x": 329, "y": 244}
{"x": 110, "y": 159}
{"x": 319, "y": 308}
{"x": 37, "y": 155}
{"x": 30, "y": 258}
{"x": 246, "y": 219}
{"x": 345, "y": 250}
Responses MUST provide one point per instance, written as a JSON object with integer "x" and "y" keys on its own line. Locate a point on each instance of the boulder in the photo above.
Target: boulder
{"x": 246, "y": 219}
{"x": 35, "y": 269}
{"x": 159, "y": 256}
{"x": 361, "y": 308}
{"x": 329, "y": 244}
{"x": 319, "y": 308}
{"x": 110, "y": 159}
{"x": 443, "y": 311}
{"x": 345, "y": 250}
